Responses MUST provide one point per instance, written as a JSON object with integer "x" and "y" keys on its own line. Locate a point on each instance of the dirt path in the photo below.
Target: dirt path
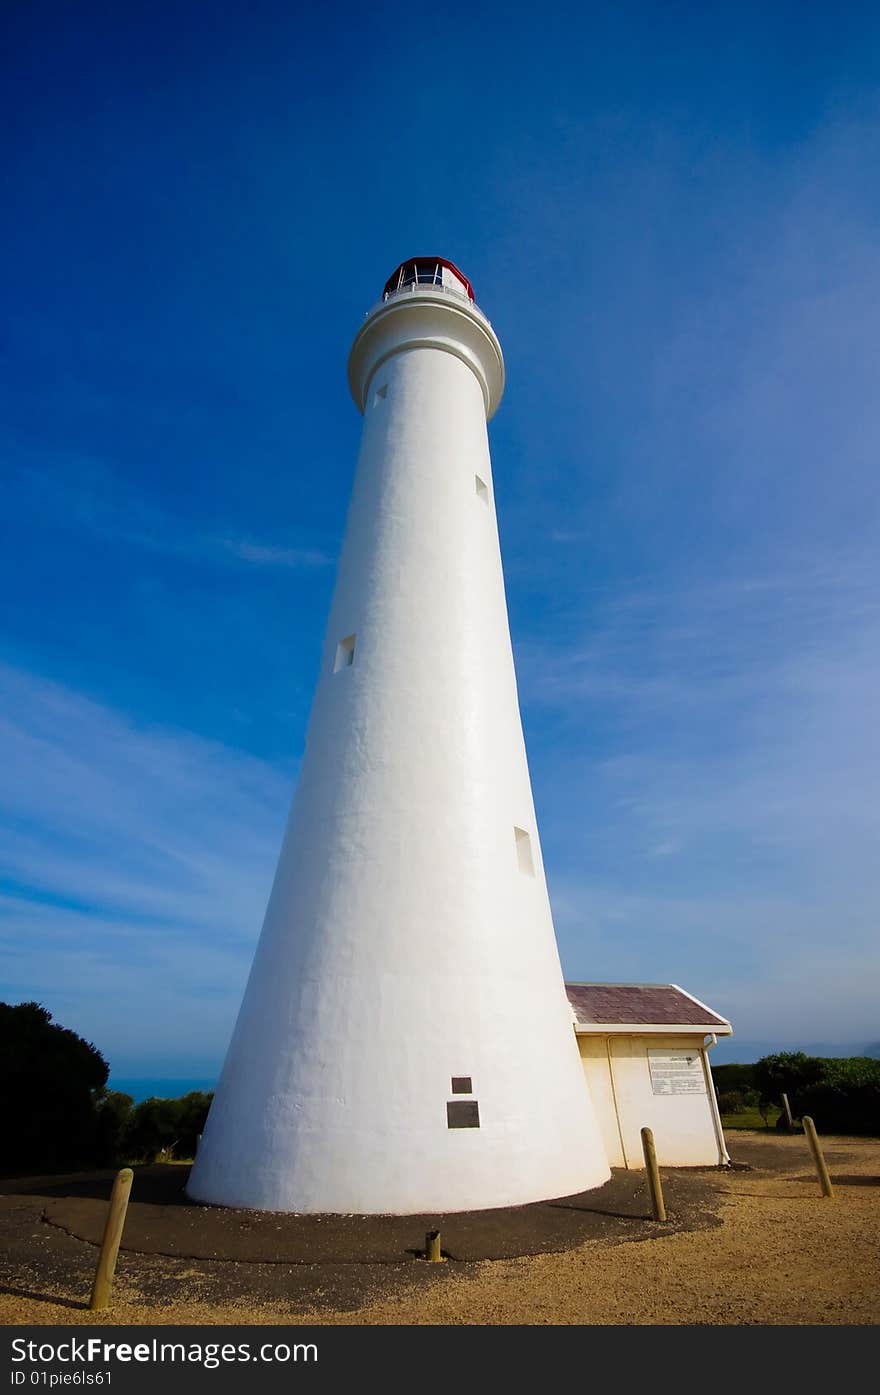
{"x": 780, "y": 1254}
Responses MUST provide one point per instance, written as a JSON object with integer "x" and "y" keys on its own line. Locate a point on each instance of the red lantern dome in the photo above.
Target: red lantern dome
{"x": 428, "y": 271}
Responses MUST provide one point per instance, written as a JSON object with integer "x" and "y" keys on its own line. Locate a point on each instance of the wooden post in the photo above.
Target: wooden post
{"x": 787, "y": 1107}
{"x": 818, "y": 1156}
{"x": 657, "y": 1204}
{"x": 432, "y": 1246}
{"x": 110, "y": 1241}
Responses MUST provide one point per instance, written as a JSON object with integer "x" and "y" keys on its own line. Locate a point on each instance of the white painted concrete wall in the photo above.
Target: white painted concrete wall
{"x": 684, "y": 1126}
{"x": 403, "y": 943}
{"x": 596, "y": 1073}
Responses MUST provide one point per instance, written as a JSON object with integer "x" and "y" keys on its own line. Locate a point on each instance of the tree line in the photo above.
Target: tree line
{"x": 58, "y": 1113}
{"x": 60, "y": 1116}
{"x": 841, "y": 1093}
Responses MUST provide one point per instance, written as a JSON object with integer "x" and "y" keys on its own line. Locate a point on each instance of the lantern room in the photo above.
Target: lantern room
{"x": 427, "y": 303}
{"x": 423, "y": 272}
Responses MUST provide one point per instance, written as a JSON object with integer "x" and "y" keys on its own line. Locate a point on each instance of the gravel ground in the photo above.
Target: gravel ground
{"x": 777, "y": 1252}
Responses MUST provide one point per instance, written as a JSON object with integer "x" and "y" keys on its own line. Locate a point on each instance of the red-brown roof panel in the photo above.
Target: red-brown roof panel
{"x": 654, "y": 1004}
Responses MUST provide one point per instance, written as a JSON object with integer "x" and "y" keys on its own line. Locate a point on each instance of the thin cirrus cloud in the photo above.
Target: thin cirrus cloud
{"x": 135, "y": 864}
{"x": 718, "y": 821}
{"x": 264, "y": 555}
{"x": 87, "y": 496}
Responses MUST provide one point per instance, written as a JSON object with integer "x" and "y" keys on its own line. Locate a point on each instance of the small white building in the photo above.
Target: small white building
{"x": 643, "y": 1048}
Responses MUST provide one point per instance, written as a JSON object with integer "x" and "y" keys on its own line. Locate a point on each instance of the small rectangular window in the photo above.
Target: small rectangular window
{"x": 344, "y": 653}
{"x": 524, "y": 851}
{"x": 462, "y": 1085}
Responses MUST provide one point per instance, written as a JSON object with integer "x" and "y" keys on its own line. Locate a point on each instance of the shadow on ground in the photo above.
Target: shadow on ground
{"x": 162, "y": 1220}
{"x": 175, "y": 1251}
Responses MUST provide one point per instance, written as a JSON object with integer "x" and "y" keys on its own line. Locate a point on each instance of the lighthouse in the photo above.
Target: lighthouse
{"x": 405, "y": 1044}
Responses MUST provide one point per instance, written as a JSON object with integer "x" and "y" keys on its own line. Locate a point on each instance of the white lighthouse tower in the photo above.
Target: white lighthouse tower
{"x": 405, "y": 1043}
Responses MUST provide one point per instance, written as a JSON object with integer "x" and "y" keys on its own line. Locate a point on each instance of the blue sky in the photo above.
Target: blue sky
{"x": 670, "y": 213}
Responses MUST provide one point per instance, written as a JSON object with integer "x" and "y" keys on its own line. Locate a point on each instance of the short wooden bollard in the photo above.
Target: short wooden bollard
{"x": 818, "y": 1156}
{"x": 789, "y": 1122}
{"x": 110, "y": 1241}
{"x": 432, "y": 1246}
{"x": 657, "y": 1204}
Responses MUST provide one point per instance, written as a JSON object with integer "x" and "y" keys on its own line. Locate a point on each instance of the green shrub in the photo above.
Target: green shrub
{"x": 113, "y": 1111}
{"x": 841, "y": 1094}
{"x": 51, "y": 1082}
{"x": 732, "y": 1102}
{"x": 737, "y": 1101}
{"x": 734, "y": 1077}
{"x": 847, "y": 1097}
{"x": 191, "y": 1120}
{"x": 785, "y": 1073}
{"x": 167, "y": 1127}
{"x": 57, "y": 1113}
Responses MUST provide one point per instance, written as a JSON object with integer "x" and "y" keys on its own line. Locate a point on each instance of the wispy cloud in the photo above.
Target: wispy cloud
{"x": 135, "y": 862}
{"x": 264, "y": 555}
{"x": 718, "y": 819}
{"x": 777, "y": 965}
{"x": 660, "y": 643}
{"x": 88, "y": 496}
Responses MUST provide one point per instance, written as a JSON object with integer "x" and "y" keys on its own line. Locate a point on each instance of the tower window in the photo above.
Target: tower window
{"x": 420, "y": 274}
{"x": 462, "y": 1085}
{"x": 524, "y": 851}
{"x": 344, "y": 653}
{"x": 380, "y": 394}
{"x": 482, "y": 489}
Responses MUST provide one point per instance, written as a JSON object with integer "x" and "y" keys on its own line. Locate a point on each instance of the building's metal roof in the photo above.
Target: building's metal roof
{"x": 617, "y": 1006}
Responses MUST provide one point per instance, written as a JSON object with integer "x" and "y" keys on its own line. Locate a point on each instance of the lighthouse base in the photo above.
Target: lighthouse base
{"x": 258, "y": 1165}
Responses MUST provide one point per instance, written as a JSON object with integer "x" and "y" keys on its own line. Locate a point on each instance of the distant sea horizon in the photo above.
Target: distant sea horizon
{"x": 159, "y": 1087}
{"x": 729, "y": 1049}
